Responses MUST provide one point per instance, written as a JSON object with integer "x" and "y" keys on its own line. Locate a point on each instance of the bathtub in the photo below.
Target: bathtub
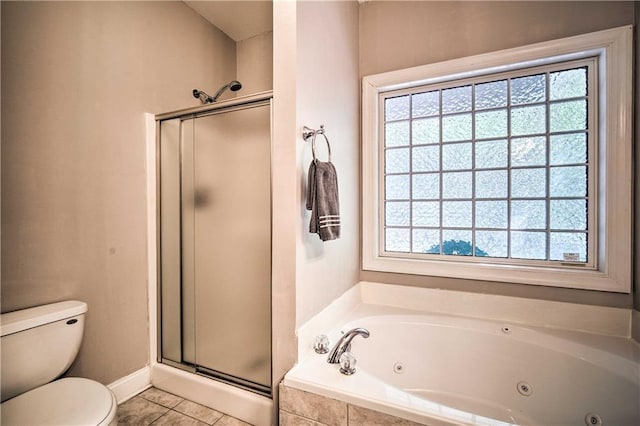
{"x": 437, "y": 369}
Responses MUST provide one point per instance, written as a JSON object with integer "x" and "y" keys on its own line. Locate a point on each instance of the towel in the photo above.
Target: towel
{"x": 322, "y": 200}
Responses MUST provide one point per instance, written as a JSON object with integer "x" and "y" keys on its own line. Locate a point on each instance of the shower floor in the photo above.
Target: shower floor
{"x": 156, "y": 407}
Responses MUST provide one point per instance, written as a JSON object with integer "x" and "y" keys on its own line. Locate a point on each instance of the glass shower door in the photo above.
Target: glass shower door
{"x": 232, "y": 244}
{"x": 215, "y": 243}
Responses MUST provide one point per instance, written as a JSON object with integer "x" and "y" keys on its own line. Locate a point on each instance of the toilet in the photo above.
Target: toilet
{"x": 38, "y": 345}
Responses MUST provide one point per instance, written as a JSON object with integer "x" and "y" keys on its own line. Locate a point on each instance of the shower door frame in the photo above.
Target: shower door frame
{"x": 256, "y": 100}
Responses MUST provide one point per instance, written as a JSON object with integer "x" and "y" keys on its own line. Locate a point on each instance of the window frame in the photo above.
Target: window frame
{"x": 612, "y": 268}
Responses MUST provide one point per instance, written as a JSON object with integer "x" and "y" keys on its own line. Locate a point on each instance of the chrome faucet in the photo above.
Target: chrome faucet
{"x": 344, "y": 344}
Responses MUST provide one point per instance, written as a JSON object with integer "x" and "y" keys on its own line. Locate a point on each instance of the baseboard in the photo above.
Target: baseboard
{"x": 129, "y": 386}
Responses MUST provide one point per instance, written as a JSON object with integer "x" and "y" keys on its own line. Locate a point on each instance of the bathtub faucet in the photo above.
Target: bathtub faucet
{"x": 344, "y": 344}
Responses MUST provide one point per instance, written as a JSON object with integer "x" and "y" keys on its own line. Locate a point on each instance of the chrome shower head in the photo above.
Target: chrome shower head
{"x": 204, "y": 98}
{"x": 233, "y": 85}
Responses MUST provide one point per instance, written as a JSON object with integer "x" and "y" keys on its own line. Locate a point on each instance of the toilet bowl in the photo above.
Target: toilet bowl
{"x": 69, "y": 401}
{"x": 38, "y": 345}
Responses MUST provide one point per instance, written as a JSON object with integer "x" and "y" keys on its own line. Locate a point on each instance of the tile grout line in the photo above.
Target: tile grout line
{"x": 162, "y": 405}
{"x": 182, "y": 414}
{"x": 200, "y": 420}
{"x": 348, "y": 413}
{"x": 194, "y": 418}
{"x": 161, "y": 416}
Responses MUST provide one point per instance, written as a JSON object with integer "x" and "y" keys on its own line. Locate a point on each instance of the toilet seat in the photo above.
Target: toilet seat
{"x": 68, "y": 401}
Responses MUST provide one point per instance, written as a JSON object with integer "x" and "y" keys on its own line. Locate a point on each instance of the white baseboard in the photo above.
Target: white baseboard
{"x": 129, "y": 386}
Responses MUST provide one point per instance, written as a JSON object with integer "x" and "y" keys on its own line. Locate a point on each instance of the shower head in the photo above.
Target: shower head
{"x": 233, "y": 85}
{"x": 204, "y": 98}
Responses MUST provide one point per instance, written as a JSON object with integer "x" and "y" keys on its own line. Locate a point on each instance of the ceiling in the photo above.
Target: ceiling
{"x": 239, "y": 20}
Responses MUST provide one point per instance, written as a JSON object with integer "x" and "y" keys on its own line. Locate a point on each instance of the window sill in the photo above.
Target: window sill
{"x": 552, "y": 277}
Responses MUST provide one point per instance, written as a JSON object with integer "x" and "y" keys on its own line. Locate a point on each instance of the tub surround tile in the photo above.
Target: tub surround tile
{"x": 197, "y": 411}
{"x": 314, "y": 407}
{"x": 172, "y": 418}
{"x": 288, "y": 419}
{"x": 300, "y": 408}
{"x": 364, "y": 416}
{"x": 139, "y": 412}
{"x": 163, "y": 398}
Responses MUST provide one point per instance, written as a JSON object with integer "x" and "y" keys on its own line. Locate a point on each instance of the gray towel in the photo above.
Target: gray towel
{"x": 322, "y": 200}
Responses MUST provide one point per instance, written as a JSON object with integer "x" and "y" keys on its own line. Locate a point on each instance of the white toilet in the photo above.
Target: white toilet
{"x": 38, "y": 345}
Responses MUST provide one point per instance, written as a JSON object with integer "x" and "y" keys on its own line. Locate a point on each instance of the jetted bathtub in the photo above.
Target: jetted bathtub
{"x": 441, "y": 369}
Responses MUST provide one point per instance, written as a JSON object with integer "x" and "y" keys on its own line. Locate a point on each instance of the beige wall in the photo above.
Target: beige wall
{"x": 636, "y": 300}
{"x": 76, "y": 81}
{"x": 396, "y": 35}
{"x": 327, "y": 93}
{"x": 438, "y": 31}
{"x": 255, "y": 64}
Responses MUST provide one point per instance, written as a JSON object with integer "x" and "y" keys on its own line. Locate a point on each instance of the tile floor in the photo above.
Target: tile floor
{"x": 156, "y": 407}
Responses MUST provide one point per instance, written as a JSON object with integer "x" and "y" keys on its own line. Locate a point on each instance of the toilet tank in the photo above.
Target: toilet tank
{"x": 39, "y": 344}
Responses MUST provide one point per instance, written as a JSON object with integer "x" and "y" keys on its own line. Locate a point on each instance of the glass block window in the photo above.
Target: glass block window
{"x": 498, "y": 167}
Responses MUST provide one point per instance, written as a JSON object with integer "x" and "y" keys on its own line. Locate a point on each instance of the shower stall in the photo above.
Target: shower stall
{"x": 214, "y": 241}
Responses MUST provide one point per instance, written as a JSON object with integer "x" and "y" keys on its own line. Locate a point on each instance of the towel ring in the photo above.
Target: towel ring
{"x": 308, "y": 132}
{"x": 313, "y": 144}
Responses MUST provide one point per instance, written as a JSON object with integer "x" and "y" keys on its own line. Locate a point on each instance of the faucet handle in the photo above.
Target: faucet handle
{"x": 321, "y": 344}
{"x": 347, "y": 363}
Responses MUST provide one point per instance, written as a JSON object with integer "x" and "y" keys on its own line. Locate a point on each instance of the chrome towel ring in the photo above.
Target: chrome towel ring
{"x": 308, "y": 132}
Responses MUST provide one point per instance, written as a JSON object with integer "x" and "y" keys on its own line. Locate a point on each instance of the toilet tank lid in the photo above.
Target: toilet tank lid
{"x": 23, "y": 319}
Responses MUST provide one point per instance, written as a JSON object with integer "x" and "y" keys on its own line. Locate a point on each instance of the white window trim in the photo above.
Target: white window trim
{"x": 614, "y": 49}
